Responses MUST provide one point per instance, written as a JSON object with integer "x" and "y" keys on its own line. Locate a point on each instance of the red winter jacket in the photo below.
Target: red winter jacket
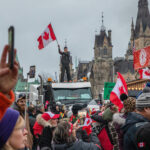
{"x": 5, "y": 102}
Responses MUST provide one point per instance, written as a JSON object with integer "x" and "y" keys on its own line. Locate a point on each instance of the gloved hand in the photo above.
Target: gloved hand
{"x": 46, "y": 137}
{"x": 58, "y": 47}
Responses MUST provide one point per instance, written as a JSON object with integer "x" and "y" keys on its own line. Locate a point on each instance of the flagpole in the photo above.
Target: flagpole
{"x": 57, "y": 41}
{"x": 55, "y": 35}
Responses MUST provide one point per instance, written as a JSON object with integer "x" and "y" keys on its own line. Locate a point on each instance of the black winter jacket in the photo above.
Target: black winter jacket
{"x": 78, "y": 145}
{"x": 65, "y": 58}
{"x": 133, "y": 122}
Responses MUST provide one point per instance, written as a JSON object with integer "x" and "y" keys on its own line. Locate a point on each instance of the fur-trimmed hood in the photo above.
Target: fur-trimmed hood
{"x": 41, "y": 121}
{"x": 119, "y": 119}
{"x": 39, "y": 125}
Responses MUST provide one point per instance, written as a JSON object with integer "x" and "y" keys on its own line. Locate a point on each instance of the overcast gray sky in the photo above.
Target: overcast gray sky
{"x": 74, "y": 20}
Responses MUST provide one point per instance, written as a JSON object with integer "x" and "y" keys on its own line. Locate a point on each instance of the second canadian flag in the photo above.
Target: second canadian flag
{"x": 46, "y": 37}
{"x": 120, "y": 88}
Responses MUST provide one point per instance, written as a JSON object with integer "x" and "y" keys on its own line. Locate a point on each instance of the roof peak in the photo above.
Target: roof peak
{"x": 143, "y": 3}
{"x": 143, "y": 16}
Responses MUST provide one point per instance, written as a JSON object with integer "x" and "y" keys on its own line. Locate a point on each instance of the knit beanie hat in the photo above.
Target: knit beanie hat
{"x": 129, "y": 104}
{"x": 7, "y": 125}
{"x": 107, "y": 115}
{"x": 77, "y": 107}
{"x": 123, "y": 97}
{"x": 144, "y": 99}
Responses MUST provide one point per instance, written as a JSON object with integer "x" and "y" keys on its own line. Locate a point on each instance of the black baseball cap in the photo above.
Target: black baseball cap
{"x": 21, "y": 96}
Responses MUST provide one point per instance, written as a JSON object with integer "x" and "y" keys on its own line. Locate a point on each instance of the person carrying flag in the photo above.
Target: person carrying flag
{"x": 65, "y": 61}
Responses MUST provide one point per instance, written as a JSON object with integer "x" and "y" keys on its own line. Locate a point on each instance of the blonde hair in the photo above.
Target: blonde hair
{"x": 19, "y": 122}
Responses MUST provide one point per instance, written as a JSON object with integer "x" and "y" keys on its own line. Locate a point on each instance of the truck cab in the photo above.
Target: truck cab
{"x": 71, "y": 93}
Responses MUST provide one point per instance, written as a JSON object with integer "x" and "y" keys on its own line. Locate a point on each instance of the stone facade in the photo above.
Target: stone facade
{"x": 84, "y": 69}
{"x": 102, "y": 69}
{"x": 102, "y": 72}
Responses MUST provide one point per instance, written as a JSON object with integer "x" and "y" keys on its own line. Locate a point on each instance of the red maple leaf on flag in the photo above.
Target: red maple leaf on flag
{"x": 121, "y": 89}
{"x": 46, "y": 36}
{"x": 88, "y": 121}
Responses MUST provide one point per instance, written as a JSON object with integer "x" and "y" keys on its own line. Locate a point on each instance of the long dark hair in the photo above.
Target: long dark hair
{"x": 62, "y": 135}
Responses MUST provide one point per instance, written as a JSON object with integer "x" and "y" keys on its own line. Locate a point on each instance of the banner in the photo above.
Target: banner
{"x": 32, "y": 72}
{"x": 108, "y": 87}
{"x": 142, "y": 58}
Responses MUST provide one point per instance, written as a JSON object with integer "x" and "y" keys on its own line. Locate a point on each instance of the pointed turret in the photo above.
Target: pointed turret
{"x": 103, "y": 27}
{"x": 103, "y": 45}
{"x": 132, "y": 30}
{"x": 99, "y": 39}
{"x": 65, "y": 43}
{"x": 143, "y": 17}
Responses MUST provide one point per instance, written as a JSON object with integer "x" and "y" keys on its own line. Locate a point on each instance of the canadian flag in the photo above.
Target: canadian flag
{"x": 87, "y": 124}
{"x": 141, "y": 144}
{"x": 142, "y": 58}
{"x": 120, "y": 88}
{"x": 144, "y": 73}
{"x": 46, "y": 37}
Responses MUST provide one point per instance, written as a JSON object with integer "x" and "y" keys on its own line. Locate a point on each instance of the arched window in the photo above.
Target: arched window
{"x": 105, "y": 51}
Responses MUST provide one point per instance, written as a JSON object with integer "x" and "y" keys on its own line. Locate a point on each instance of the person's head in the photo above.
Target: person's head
{"x": 65, "y": 49}
{"x": 13, "y": 134}
{"x": 123, "y": 97}
{"x": 143, "y": 103}
{"x": 108, "y": 113}
{"x": 51, "y": 118}
{"x": 57, "y": 107}
{"x": 32, "y": 110}
{"x": 41, "y": 108}
{"x": 129, "y": 104}
{"x": 54, "y": 122}
{"x": 64, "y": 133}
{"x": 21, "y": 102}
{"x": 76, "y": 108}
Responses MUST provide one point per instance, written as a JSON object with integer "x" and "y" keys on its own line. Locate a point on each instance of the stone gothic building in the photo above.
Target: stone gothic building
{"x": 140, "y": 35}
{"x": 104, "y": 68}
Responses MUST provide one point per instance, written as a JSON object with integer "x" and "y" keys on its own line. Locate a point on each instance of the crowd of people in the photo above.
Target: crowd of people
{"x": 34, "y": 128}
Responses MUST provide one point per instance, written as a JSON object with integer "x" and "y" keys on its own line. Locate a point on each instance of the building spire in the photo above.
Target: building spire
{"x": 95, "y": 31}
{"x": 132, "y": 30}
{"x": 143, "y": 16}
{"x": 103, "y": 27}
{"x": 65, "y": 42}
{"x": 132, "y": 24}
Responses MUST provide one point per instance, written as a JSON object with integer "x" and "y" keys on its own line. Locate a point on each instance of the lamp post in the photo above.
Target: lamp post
{"x": 26, "y": 89}
{"x": 41, "y": 89}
